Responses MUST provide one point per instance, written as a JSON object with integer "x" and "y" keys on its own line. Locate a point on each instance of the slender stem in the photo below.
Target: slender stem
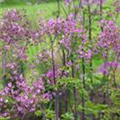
{"x": 75, "y": 93}
{"x": 64, "y": 58}
{"x": 66, "y": 91}
{"x": 73, "y": 75}
{"x": 106, "y": 94}
{"x": 44, "y": 112}
{"x": 90, "y": 40}
{"x": 4, "y": 67}
{"x": 83, "y": 81}
{"x": 57, "y": 108}
{"x": 114, "y": 73}
{"x": 101, "y": 11}
{"x": 66, "y": 100}
{"x": 90, "y": 24}
{"x": 83, "y": 78}
{"x": 58, "y": 3}
{"x": 54, "y": 79}
{"x": 66, "y": 95}
{"x": 114, "y": 78}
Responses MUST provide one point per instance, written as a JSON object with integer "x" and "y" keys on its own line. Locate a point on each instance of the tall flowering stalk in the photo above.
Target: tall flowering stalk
{"x": 54, "y": 79}
{"x": 109, "y": 42}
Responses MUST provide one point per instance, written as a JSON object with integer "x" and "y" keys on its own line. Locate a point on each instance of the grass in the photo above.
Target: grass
{"x": 32, "y": 10}
{"x": 46, "y": 10}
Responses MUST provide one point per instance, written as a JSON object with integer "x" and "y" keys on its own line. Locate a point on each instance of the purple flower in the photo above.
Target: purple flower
{"x": 49, "y": 74}
{"x": 108, "y": 66}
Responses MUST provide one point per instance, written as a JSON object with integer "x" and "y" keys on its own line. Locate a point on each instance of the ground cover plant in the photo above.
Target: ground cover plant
{"x": 63, "y": 67}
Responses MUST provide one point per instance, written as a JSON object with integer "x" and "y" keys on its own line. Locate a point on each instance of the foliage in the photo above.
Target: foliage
{"x": 58, "y": 79}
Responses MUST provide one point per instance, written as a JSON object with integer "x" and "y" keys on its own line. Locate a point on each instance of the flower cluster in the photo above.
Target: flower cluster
{"x": 67, "y": 2}
{"x": 59, "y": 73}
{"x": 24, "y": 97}
{"x": 117, "y": 5}
{"x": 66, "y": 29}
{"x": 108, "y": 66}
{"x": 109, "y": 37}
{"x": 84, "y": 53}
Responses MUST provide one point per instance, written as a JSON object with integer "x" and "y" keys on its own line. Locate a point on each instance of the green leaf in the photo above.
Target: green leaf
{"x": 38, "y": 113}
